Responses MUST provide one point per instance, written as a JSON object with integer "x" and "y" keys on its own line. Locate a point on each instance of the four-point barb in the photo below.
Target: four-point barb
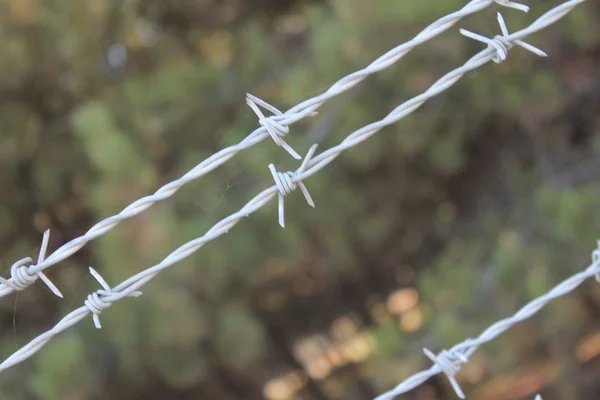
{"x": 287, "y": 182}
{"x": 100, "y": 300}
{"x": 502, "y": 43}
{"x": 512, "y": 4}
{"x": 276, "y": 130}
{"x": 20, "y": 278}
{"x": 449, "y": 362}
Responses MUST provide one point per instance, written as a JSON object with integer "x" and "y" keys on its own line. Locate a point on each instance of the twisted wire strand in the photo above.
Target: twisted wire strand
{"x": 274, "y": 126}
{"x": 310, "y": 167}
{"x": 466, "y": 348}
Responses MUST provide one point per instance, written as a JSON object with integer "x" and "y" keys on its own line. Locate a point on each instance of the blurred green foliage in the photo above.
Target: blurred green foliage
{"x": 481, "y": 200}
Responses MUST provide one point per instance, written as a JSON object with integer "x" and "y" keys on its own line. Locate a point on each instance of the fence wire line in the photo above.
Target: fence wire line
{"x": 286, "y": 182}
{"x": 450, "y": 361}
{"x": 24, "y": 273}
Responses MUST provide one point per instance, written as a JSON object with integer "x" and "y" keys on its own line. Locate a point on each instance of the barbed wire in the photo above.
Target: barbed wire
{"x": 24, "y": 273}
{"x": 450, "y": 361}
{"x": 287, "y": 182}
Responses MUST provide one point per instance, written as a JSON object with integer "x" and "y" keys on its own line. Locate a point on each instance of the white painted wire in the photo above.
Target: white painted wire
{"x": 450, "y": 361}
{"x": 309, "y": 167}
{"x": 275, "y": 127}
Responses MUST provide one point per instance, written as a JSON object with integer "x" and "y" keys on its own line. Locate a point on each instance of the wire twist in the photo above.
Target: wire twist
{"x": 450, "y": 363}
{"x": 21, "y": 278}
{"x": 287, "y": 182}
{"x": 101, "y": 299}
{"x": 501, "y": 43}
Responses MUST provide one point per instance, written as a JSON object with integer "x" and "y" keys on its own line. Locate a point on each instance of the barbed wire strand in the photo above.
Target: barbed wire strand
{"x": 450, "y": 361}
{"x": 275, "y": 126}
{"x": 310, "y": 166}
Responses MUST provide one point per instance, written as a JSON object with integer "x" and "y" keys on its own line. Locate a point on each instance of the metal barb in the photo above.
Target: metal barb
{"x": 501, "y": 43}
{"x": 512, "y": 4}
{"x": 449, "y": 362}
{"x": 287, "y": 182}
{"x": 98, "y": 301}
{"x": 21, "y": 278}
{"x": 276, "y": 130}
{"x": 596, "y": 260}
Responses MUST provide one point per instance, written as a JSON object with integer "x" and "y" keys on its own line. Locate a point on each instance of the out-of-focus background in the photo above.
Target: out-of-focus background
{"x": 422, "y": 236}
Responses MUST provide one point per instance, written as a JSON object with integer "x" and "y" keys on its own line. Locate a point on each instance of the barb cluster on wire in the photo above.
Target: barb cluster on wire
{"x": 24, "y": 273}
{"x": 287, "y": 182}
{"x": 450, "y": 361}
